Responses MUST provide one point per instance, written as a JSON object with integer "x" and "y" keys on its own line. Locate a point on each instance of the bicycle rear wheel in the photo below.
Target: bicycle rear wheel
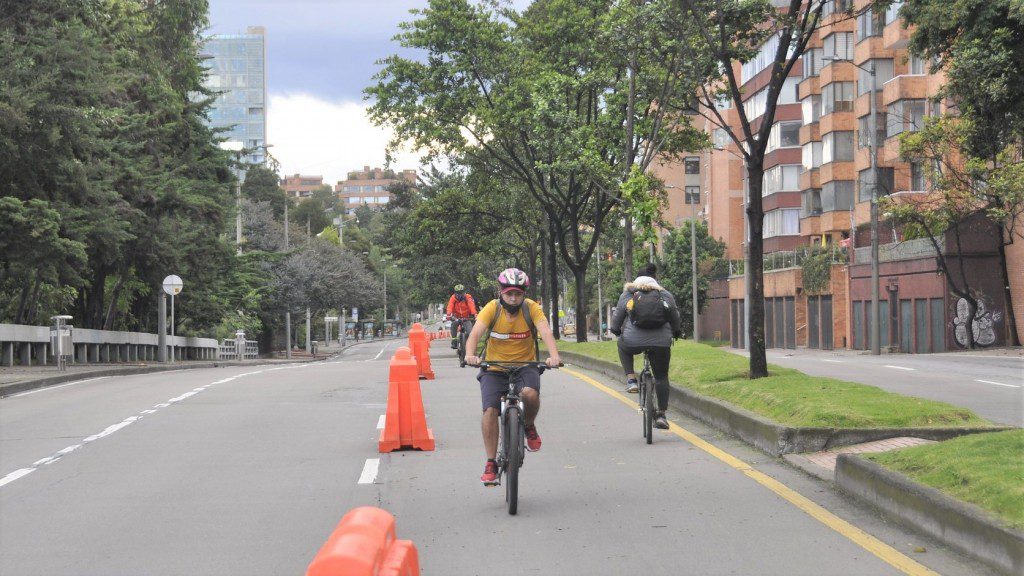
{"x": 647, "y": 389}
{"x": 513, "y": 457}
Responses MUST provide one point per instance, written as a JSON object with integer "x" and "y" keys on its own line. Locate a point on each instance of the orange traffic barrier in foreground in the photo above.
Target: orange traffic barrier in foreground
{"x": 420, "y": 348}
{"x": 405, "y": 422}
{"x": 364, "y": 544}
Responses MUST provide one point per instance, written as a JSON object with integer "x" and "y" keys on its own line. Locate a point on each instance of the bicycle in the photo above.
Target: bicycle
{"x": 465, "y": 327}
{"x": 646, "y": 398}
{"x": 512, "y": 429}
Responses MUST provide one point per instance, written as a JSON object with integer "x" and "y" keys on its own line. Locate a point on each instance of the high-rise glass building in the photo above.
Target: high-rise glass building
{"x": 238, "y": 73}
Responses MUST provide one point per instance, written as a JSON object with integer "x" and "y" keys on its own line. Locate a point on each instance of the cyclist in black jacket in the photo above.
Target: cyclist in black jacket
{"x": 657, "y": 341}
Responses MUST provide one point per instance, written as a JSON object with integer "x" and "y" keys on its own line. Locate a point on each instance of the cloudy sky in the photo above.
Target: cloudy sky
{"x": 320, "y": 56}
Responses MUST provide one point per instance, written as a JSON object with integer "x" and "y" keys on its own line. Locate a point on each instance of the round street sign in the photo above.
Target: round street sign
{"x": 172, "y": 285}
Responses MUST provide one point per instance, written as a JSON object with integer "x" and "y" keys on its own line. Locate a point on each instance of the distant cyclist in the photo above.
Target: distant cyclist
{"x": 510, "y": 326}
{"x": 646, "y": 319}
{"x": 461, "y": 307}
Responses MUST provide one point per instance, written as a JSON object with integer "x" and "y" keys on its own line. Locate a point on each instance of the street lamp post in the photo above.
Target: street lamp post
{"x": 693, "y": 266}
{"x": 875, "y": 333}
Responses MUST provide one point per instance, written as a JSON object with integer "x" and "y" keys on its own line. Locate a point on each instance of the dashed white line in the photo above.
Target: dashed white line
{"x": 998, "y": 383}
{"x": 380, "y": 422}
{"x": 57, "y": 386}
{"x": 833, "y": 361}
{"x": 21, "y": 472}
{"x": 900, "y": 367}
{"x": 369, "y": 474}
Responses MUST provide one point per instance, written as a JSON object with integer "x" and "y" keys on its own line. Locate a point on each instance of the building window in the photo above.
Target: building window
{"x": 869, "y": 23}
{"x": 839, "y": 46}
{"x": 784, "y": 222}
{"x": 883, "y": 73}
{"x": 781, "y": 178}
{"x": 691, "y": 165}
{"x": 837, "y": 195}
{"x": 863, "y": 130}
{"x": 811, "y": 108}
{"x": 918, "y": 182}
{"x": 691, "y": 195}
{"x": 784, "y": 135}
{"x": 886, "y": 183}
{"x": 837, "y": 147}
{"x": 905, "y": 116}
{"x": 812, "y": 60}
{"x": 892, "y": 13}
{"x": 811, "y": 156}
{"x": 721, "y": 138}
{"x": 810, "y": 203}
{"x": 916, "y": 65}
{"x": 837, "y": 97}
{"x": 835, "y": 7}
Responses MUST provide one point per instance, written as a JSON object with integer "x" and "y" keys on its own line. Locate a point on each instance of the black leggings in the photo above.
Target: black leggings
{"x": 660, "y": 358}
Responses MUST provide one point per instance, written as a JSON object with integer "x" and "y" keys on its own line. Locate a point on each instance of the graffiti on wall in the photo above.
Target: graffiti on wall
{"x": 983, "y": 326}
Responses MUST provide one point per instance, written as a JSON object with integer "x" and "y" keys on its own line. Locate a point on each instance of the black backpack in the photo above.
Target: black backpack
{"x": 647, "y": 309}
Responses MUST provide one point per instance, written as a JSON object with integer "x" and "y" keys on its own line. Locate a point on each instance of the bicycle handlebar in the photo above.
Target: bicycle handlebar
{"x": 518, "y": 364}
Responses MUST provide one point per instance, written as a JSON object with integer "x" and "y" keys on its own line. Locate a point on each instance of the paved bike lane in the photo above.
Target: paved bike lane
{"x": 597, "y": 500}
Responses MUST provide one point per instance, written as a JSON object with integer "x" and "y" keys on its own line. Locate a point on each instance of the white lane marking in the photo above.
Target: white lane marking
{"x": 900, "y": 367}
{"x": 44, "y": 389}
{"x": 369, "y": 471}
{"x": 380, "y": 422}
{"x": 833, "y": 361}
{"x": 381, "y": 352}
{"x": 998, "y": 383}
{"x": 15, "y": 475}
{"x": 21, "y": 472}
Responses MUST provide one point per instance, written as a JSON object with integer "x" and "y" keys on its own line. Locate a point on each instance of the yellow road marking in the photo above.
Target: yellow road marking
{"x": 880, "y": 549}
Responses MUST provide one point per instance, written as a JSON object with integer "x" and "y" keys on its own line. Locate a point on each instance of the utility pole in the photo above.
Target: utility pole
{"x": 287, "y": 311}
{"x": 876, "y": 341}
{"x": 693, "y": 266}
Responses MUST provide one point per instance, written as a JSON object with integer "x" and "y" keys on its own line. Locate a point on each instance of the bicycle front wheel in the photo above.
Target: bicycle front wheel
{"x": 647, "y": 389}
{"x": 514, "y": 457}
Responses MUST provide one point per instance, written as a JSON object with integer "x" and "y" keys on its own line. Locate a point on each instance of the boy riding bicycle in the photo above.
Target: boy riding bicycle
{"x": 512, "y": 323}
{"x": 646, "y": 319}
{"x": 461, "y": 307}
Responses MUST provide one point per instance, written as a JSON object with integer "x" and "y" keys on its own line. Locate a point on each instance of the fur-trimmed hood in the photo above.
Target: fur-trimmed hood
{"x": 643, "y": 283}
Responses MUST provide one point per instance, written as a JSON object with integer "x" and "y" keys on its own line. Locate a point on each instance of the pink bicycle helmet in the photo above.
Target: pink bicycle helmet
{"x": 513, "y": 279}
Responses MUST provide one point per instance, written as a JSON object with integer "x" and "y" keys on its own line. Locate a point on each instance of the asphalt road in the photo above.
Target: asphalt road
{"x": 989, "y": 383}
{"x": 247, "y": 471}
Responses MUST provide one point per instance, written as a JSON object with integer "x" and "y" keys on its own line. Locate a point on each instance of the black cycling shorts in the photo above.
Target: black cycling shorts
{"x": 494, "y": 384}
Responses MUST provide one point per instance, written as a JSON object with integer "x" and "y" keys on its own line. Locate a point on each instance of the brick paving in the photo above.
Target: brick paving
{"x": 827, "y": 459}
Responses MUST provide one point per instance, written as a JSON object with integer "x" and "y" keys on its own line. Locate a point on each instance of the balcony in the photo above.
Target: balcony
{"x": 905, "y": 87}
{"x": 895, "y": 36}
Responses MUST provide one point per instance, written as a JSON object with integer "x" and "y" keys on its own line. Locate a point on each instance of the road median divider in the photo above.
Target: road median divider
{"x": 365, "y": 544}
{"x": 405, "y": 421}
{"x": 420, "y": 347}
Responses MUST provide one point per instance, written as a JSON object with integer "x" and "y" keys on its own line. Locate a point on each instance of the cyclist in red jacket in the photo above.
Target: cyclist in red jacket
{"x": 461, "y": 307}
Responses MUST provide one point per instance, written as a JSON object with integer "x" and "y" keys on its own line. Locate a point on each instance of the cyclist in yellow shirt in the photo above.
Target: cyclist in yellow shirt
{"x": 512, "y": 338}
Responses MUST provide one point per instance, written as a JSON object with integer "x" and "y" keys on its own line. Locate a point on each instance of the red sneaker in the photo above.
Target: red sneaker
{"x": 532, "y": 439}
{"x": 490, "y": 475}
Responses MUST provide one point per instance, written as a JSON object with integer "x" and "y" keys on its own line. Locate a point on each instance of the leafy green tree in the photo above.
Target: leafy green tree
{"x": 541, "y": 100}
{"x": 714, "y": 35}
{"x": 263, "y": 184}
{"x": 676, "y": 269}
{"x": 974, "y": 154}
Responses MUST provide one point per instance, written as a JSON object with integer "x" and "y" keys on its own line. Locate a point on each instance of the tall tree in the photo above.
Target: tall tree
{"x": 718, "y": 34}
{"x": 979, "y": 46}
{"x": 543, "y": 99}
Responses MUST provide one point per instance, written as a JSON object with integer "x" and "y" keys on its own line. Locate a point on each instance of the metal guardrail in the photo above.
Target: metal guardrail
{"x": 906, "y": 250}
{"x": 789, "y": 259}
{"x": 33, "y": 345}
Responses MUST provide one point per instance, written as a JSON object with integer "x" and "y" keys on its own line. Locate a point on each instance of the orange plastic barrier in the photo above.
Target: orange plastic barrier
{"x": 364, "y": 544}
{"x": 420, "y": 348}
{"x": 405, "y": 422}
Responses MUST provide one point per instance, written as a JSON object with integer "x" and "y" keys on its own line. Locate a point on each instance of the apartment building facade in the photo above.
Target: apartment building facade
{"x": 301, "y": 187}
{"x": 369, "y": 187}
{"x": 817, "y": 191}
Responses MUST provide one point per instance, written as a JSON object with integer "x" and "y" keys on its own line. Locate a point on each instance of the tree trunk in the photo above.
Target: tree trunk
{"x": 33, "y": 301}
{"x": 627, "y": 250}
{"x": 581, "y": 304}
{"x": 1011, "y": 319}
{"x": 542, "y": 293}
{"x": 553, "y": 275}
{"x": 111, "y": 314}
{"x": 755, "y": 276}
{"x": 20, "y": 317}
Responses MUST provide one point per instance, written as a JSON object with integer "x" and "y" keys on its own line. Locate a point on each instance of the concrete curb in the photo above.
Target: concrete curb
{"x": 963, "y": 526}
{"x": 767, "y": 435}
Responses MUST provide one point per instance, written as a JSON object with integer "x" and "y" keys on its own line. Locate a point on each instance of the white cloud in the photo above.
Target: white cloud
{"x": 312, "y": 136}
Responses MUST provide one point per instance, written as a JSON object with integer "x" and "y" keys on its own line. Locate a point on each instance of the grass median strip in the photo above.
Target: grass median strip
{"x": 986, "y": 470}
{"x": 790, "y": 397}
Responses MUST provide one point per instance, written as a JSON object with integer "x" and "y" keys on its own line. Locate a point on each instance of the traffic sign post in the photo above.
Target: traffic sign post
{"x": 172, "y": 286}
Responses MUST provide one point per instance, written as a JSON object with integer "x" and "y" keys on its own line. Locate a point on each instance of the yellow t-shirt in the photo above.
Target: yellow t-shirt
{"x": 510, "y": 339}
